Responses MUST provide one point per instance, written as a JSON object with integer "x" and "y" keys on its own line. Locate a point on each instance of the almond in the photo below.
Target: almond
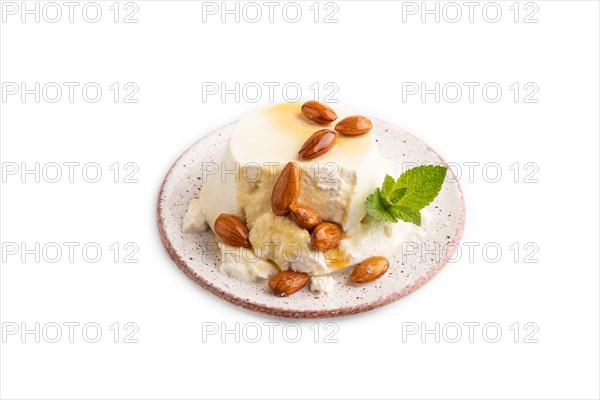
{"x": 304, "y": 216}
{"x": 370, "y": 270}
{"x": 318, "y": 112}
{"x": 286, "y": 189}
{"x": 318, "y": 143}
{"x": 326, "y": 236}
{"x": 287, "y": 282}
{"x": 354, "y": 126}
{"x": 232, "y": 231}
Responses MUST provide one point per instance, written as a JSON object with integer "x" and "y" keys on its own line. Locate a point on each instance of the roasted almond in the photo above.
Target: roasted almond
{"x": 370, "y": 270}
{"x": 232, "y": 231}
{"x": 354, "y": 126}
{"x": 286, "y": 189}
{"x": 326, "y": 236}
{"x": 318, "y": 112}
{"x": 287, "y": 282}
{"x": 304, "y": 216}
{"x": 318, "y": 143}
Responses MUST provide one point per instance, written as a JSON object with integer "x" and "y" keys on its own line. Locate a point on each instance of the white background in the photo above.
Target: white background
{"x": 368, "y": 54}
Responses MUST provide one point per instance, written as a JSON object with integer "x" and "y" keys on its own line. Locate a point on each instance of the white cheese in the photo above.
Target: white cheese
{"x": 241, "y": 263}
{"x": 194, "y": 220}
{"x": 377, "y": 238}
{"x": 335, "y": 184}
{"x": 323, "y": 285}
{"x": 270, "y": 139}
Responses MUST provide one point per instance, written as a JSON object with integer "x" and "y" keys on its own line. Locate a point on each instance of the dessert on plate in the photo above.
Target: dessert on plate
{"x": 301, "y": 192}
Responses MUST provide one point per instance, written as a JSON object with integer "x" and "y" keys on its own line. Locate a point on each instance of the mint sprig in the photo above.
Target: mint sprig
{"x": 404, "y": 198}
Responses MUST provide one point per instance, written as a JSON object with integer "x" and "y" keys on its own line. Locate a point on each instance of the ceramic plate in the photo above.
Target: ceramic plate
{"x": 196, "y": 254}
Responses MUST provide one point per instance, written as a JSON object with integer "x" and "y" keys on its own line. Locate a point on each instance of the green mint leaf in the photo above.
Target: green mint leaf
{"x": 398, "y": 194}
{"x": 404, "y": 198}
{"x": 422, "y": 186}
{"x": 406, "y": 214}
{"x": 377, "y": 209}
{"x": 387, "y": 190}
{"x": 388, "y": 186}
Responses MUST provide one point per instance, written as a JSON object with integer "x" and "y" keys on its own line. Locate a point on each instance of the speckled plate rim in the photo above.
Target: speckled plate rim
{"x": 303, "y": 314}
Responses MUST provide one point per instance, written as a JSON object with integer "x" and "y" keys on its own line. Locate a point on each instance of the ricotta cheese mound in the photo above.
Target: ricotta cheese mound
{"x": 335, "y": 184}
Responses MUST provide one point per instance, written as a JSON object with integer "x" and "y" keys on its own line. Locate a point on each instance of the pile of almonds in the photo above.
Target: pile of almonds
{"x": 325, "y": 236}
{"x": 323, "y": 140}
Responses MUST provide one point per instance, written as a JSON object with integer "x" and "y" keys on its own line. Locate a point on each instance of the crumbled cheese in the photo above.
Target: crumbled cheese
{"x": 323, "y": 285}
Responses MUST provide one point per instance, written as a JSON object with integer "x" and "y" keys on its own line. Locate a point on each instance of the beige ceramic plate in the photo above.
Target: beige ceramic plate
{"x": 195, "y": 254}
